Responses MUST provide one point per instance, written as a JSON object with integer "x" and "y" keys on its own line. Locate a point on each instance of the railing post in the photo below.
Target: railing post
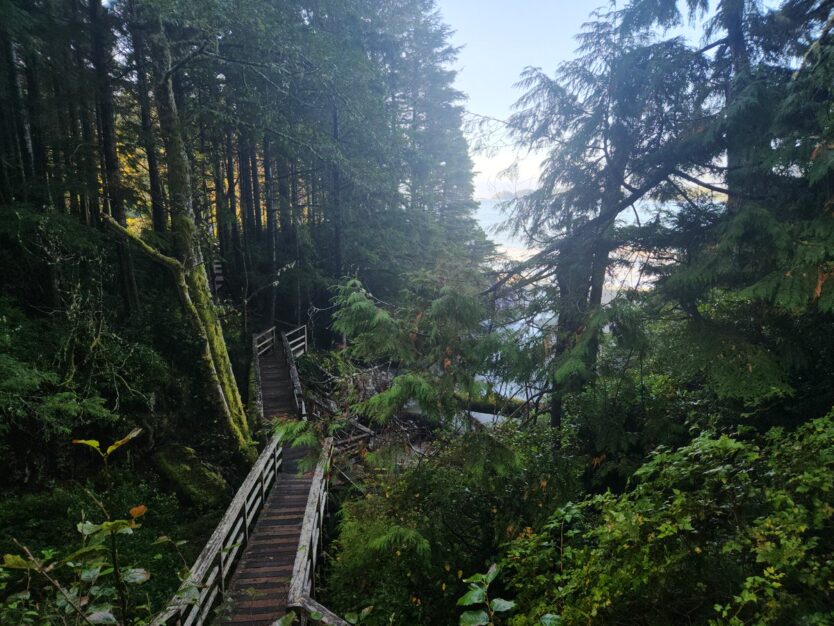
{"x": 275, "y": 455}
{"x": 221, "y": 580}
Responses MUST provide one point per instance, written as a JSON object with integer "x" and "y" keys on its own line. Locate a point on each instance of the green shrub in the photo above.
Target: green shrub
{"x": 723, "y": 531}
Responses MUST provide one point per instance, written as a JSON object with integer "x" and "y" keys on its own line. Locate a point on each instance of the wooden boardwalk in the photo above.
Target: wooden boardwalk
{"x": 260, "y": 585}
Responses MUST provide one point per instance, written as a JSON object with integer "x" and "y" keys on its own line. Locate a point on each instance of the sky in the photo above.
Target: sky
{"x": 500, "y": 38}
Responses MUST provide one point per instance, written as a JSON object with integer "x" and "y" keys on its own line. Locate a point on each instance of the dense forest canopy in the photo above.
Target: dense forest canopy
{"x": 178, "y": 176}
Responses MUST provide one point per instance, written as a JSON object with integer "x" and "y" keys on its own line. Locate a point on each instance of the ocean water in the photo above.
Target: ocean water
{"x": 491, "y": 217}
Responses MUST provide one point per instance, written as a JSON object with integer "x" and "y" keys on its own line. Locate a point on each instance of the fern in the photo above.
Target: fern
{"x": 401, "y": 538}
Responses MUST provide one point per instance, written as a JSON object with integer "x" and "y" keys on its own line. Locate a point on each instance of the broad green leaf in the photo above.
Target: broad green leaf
{"x": 135, "y": 575}
{"x": 116, "y": 526}
{"x": 476, "y": 595}
{"x": 287, "y": 620}
{"x": 95, "y": 547}
{"x": 499, "y": 605}
{"x": 549, "y": 619}
{"x": 315, "y": 615}
{"x": 190, "y": 594}
{"x": 475, "y": 578}
{"x": 492, "y": 573}
{"x": 90, "y": 574}
{"x": 365, "y": 612}
{"x": 474, "y": 618}
{"x": 351, "y": 618}
{"x": 118, "y": 444}
{"x": 88, "y": 528}
{"x": 102, "y": 617}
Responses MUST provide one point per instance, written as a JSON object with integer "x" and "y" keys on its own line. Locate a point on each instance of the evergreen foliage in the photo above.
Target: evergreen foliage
{"x": 175, "y": 176}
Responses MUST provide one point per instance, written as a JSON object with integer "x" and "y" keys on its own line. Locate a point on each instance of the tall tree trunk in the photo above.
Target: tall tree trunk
{"x": 158, "y": 215}
{"x": 90, "y": 198}
{"x": 102, "y": 60}
{"x": 295, "y": 202}
{"x": 256, "y": 187}
{"x": 35, "y": 135}
{"x": 284, "y": 202}
{"x": 15, "y": 165}
{"x": 192, "y": 278}
{"x": 738, "y": 79}
{"x": 232, "y": 201}
{"x": 271, "y": 230}
{"x": 336, "y": 201}
{"x": 247, "y": 203}
{"x": 224, "y": 218}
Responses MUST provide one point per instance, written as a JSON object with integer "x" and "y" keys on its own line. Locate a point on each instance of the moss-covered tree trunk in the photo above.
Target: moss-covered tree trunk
{"x": 192, "y": 278}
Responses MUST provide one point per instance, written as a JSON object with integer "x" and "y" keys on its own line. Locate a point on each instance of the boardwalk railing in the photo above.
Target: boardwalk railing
{"x": 260, "y": 345}
{"x": 264, "y": 342}
{"x": 297, "y": 340}
{"x": 211, "y": 573}
{"x": 295, "y": 344}
{"x": 213, "y": 569}
{"x": 302, "y": 584}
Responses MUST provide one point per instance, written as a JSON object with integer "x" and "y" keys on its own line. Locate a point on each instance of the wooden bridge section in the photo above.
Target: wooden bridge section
{"x": 260, "y": 585}
{"x": 261, "y": 559}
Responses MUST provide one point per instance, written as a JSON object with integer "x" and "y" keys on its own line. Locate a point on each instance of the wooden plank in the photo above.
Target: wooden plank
{"x": 202, "y": 568}
{"x": 310, "y": 527}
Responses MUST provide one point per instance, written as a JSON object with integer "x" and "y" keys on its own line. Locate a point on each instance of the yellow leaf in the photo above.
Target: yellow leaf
{"x": 13, "y": 561}
{"x": 90, "y": 443}
{"x": 118, "y": 444}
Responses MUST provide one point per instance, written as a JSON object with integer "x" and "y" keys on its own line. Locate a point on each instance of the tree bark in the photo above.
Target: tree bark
{"x": 35, "y": 134}
{"x": 102, "y": 60}
{"x": 193, "y": 280}
{"x": 336, "y": 202}
{"x": 271, "y": 230}
{"x": 256, "y": 187}
{"x": 158, "y": 214}
{"x": 233, "y": 212}
{"x": 247, "y": 203}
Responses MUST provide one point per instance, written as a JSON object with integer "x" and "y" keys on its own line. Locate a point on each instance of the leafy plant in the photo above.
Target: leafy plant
{"x": 91, "y": 582}
{"x": 478, "y": 596}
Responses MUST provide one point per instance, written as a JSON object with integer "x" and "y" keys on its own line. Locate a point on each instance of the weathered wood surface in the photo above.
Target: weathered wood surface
{"x": 290, "y": 353}
{"x": 262, "y": 557}
{"x": 259, "y": 588}
{"x": 212, "y": 571}
{"x": 302, "y": 583}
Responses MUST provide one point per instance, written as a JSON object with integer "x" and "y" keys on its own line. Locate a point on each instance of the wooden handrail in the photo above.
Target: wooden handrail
{"x": 256, "y": 394}
{"x": 295, "y": 344}
{"x": 213, "y": 569}
{"x": 297, "y": 340}
{"x": 303, "y": 571}
{"x": 264, "y": 342}
{"x": 208, "y": 578}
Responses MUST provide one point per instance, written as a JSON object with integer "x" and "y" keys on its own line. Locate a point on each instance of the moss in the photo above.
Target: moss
{"x": 197, "y": 285}
{"x": 195, "y": 481}
{"x": 254, "y": 405}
